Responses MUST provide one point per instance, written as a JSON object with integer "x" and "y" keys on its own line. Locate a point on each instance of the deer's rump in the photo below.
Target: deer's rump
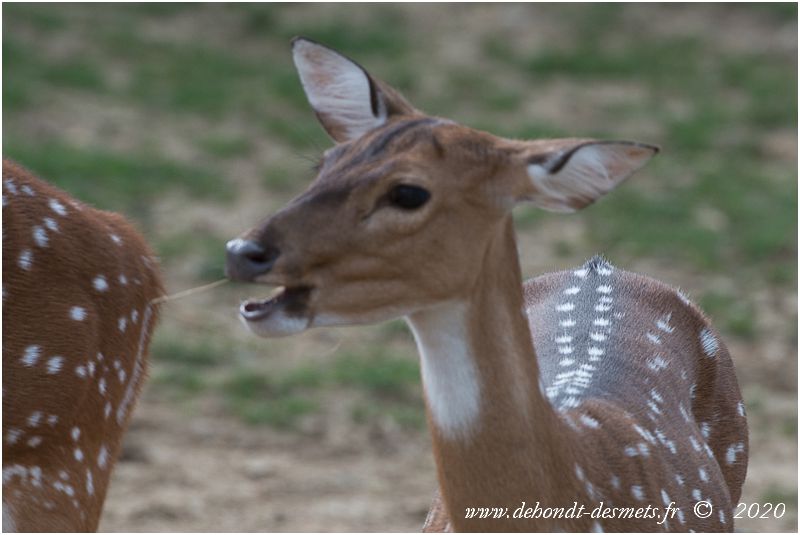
{"x": 77, "y": 319}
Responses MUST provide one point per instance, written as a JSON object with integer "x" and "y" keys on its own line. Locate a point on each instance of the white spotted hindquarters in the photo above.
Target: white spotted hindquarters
{"x": 77, "y": 287}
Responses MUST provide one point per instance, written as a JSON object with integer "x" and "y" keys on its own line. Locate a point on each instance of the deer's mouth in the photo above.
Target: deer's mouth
{"x": 284, "y": 312}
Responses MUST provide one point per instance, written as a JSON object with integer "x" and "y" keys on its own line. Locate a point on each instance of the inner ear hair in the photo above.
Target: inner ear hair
{"x": 553, "y": 163}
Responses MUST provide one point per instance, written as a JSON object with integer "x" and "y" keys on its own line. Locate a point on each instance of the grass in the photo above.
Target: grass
{"x": 283, "y": 399}
{"x": 113, "y": 180}
{"x": 226, "y": 147}
{"x": 201, "y": 251}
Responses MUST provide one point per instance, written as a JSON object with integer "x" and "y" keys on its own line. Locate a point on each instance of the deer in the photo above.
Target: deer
{"x": 78, "y": 316}
{"x": 592, "y": 386}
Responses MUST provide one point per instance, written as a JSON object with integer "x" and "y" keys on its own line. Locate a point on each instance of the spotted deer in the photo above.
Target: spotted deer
{"x": 77, "y": 321}
{"x": 592, "y": 385}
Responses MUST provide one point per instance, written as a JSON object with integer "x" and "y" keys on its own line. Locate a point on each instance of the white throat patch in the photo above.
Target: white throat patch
{"x": 449, "y": 372}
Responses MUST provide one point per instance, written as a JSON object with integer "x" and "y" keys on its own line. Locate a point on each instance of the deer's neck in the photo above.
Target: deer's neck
{"x": 496, "y": 439}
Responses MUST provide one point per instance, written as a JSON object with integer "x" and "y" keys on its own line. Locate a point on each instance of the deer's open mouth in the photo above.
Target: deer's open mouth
{"x": 292, "y": 302}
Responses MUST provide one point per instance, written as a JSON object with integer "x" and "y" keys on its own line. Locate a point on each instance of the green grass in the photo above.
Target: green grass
{"x": 226, "y": 147}
{"x": 114, "y": 180}
{"x": 282, "y": 399}
{"x": 383, "y": 375}
{"x": 203, "y": 252}
{"x": 195, "y": 352}
{"x": 735, "y": 313}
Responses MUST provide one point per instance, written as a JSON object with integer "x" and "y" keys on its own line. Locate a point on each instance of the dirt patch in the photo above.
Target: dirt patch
{"x": 211, "y": 473}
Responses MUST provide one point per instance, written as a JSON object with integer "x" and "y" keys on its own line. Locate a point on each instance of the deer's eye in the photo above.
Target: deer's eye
{"x": 408, "y": 197}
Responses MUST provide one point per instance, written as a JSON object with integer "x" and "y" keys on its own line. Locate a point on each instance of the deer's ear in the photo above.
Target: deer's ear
{"x": 347, "y": 100}
{"x": 567, "y": 175}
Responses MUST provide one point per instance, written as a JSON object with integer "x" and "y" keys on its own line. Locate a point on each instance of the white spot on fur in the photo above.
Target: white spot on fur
{"x": 76, "y": 433}
{"x": 657, "y": 363}
{"x": 638, "y": 492}
{"x": 565, "y": 307}
{"x": 25, "y": 260}
{"x": 40, "y": 236}
{"x": 100, "y": 284}
{"x": 647, "y": 435}
{"x": 595, "y": 351}
{"x": 705, "y": 430}
{"x": 588, "y": 421}
{"x": 709, "y": 343}
{"x": 31, "y": 355}
{"x": 653, "y": 338}
{"x": 685, "y": 300}
{"x": 569, "y": 322}
{"x": 50, "y": 223}
{"x": 579, "y": 473}
{"x": 703, "y": 474}
{"x": 116, "y": 239}
{"x": 34, "y": 441}
{"x": 34, "y": 419}
{"x": 77, "y": 313}
{"x": 122, "y": 323}
{"x": 54, "y": 365}
{"x": 740, "y": 409}
{"x": 597, "y": 336}
{"x": 663, "y": 324}
{"x": 733, "y": 449}
{"x": 78, "y": 454}
{"x": 13, "y": 435}
{"x": 57, "y": 207}
{"x": 601, "y": 322}
{"x": 102, "y": 457}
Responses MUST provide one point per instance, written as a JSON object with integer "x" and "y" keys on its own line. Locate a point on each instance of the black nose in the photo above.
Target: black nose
{"x": 246, "y": 260}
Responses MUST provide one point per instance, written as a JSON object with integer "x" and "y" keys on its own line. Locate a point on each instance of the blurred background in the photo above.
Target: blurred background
{"x": 191, "y": 120}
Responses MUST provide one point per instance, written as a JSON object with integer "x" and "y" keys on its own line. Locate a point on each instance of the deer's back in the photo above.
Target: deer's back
{"x": 634, "y": 361}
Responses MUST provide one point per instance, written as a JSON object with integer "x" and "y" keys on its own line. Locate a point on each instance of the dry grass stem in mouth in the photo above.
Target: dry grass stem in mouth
{"x": 190, "y": 291}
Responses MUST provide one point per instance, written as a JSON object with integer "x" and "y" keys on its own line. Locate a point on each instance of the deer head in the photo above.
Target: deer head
{"x": 404, "y": 207}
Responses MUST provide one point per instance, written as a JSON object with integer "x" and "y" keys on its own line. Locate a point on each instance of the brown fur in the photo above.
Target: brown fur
{"x": 36, "y": 311}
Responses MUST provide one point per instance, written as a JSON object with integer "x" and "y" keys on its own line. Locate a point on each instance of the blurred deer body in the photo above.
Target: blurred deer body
{"x": 591, "y": 385}
{"x": 77, "y": 320}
